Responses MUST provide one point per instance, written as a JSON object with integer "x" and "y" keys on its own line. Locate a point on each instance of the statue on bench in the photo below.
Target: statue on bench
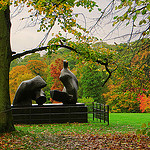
{"x": 69, "y": 94}
{"x": 30, "y": 90}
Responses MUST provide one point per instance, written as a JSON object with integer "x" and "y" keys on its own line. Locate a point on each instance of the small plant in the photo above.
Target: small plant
{"x": 145, "y": 130}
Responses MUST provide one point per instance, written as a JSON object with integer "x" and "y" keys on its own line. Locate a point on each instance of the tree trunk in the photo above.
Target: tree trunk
{"x": 6, "y": 120}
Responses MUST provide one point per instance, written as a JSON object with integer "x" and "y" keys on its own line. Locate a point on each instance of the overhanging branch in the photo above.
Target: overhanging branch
{"x": 18, "y": 55}
{"x": 67, "y": 47}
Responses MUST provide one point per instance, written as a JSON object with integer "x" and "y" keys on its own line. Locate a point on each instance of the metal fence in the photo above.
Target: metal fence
{"x": 98, "y": 112}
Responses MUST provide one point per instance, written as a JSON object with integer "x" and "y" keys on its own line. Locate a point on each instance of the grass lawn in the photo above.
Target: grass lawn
{"x": 119, "y": 134}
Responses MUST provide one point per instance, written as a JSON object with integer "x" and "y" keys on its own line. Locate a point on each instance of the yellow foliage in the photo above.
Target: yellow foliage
{"x": 16, "y": 76}
{"x": 3, "y": 3}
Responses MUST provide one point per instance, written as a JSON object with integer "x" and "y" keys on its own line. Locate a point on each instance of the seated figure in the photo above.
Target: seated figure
{"x": 70, "y": 82}
{"x": 30, "y": 90}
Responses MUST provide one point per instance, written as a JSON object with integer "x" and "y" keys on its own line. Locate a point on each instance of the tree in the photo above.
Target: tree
{"x": 144, "y": 101}
{"x": 55, "y": 70}
{"x": 91, "y": 77}
{"x": 37, "y": 67}
{"x": 24, "y": 61}
{"x": 6, "y": 122}
{"x": 49, "y": 13}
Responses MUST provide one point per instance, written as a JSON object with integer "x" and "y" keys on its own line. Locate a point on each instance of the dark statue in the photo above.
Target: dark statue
{"x": 30, "y": 90}
{"x": 70, "y": 82}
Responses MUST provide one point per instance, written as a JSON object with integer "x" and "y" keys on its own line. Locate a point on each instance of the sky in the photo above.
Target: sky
{"x": 25, "y": 38}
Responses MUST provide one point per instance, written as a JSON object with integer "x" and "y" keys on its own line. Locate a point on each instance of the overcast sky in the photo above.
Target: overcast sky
{"x": 28, "y": 38}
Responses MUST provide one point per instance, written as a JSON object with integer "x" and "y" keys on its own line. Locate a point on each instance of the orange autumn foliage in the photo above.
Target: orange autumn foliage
{"x": 16, "y": 76}
{"x": 144, "y": 102}
{"x": 37, "y": 67}
{"x": 55, "y": 70}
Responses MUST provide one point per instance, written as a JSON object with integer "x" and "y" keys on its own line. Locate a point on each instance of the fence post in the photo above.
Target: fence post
{"x": 97, "y": 110}
{"x": 93, "y": 110}
{"x": 104, "y": 113}
{"x": 108, "y": 114}
{"x": 100, "y": 110}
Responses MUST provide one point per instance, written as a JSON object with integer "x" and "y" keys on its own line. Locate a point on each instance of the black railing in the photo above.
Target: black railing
{"x": 101, "y": 112}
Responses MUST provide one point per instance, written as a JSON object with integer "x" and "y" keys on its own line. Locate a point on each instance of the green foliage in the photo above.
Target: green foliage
{"x": 15, "y": 63}
{"x": 87, "y": 101}
{"x": 24, "y": 61}
{"x": 90, "y": 82}
{"x": 49, "y": 82}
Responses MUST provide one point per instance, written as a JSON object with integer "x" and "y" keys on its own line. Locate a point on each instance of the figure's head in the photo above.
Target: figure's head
{"x": 65, "y": 64}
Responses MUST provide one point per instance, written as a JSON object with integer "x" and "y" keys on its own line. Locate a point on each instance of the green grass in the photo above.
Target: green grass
{"x": 119, "y": 122}
{"x": 133, "y": 119}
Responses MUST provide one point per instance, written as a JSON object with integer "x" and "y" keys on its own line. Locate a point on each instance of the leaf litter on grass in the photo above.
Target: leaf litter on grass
{"x": 106, "y": 141}
{"x": 72, "y": 140}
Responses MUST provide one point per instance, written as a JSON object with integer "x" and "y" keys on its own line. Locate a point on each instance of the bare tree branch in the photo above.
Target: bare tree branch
{"x": 138, "y": 9}
{"x": 18, "y": 55}
{"x": 131, "y": 31}
{"x": 101, "y": 15}
{"x": 46, "y": 36}
{"x": 17, "y": 11}
{"x": 133, "y": 13}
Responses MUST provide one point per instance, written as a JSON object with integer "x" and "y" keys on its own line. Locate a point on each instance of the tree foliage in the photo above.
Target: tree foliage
{"x": 24, "y": 61}
{"x": 37, "y": 67}
{"x": 55, "y": 70}
{"x": 16, "y": 76}
{"x": 130, "y": 78}
{"x": 53, "y": 81}
{"x": 91, "y": 77}
{"x": 144, "y": 100}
